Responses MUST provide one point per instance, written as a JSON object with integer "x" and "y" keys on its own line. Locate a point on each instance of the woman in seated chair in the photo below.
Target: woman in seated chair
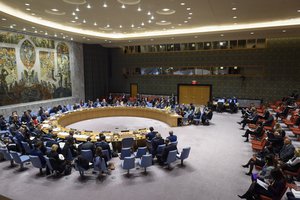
{"x": 274, "y": 190}
{"x": 55, "y": 161}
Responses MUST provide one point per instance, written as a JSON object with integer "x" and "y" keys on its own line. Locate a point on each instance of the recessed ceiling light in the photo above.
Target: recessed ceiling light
{"x": 179, "y": 24}
{"x": 54, "y": 9}
{"x": 123, "y": 6}
{"x": 88, "y": 6}
{"x": 76, "y": 17}
{"x": 188, "y": 8}
{"x": 222, "y": 35}
{"x": 73, "y": 21}
{"x": 139, "y": 9}
{"x": 84, "y": 21}
{"x": 107, "y": 25}
{"x": 172, "y": 27}
{"x": 142, "y": 24}
{"x": 64, "y": 37}
{"x": 152, "y": 17}
{"x": 182, "y": 3}
{"x": 71, "y": 38}
{"x": 149, "y": 21}
{"x": 129, "y": 41}
{"x": 88, "y": 39}
{"x": 46, "y": 33}
{"x": 162, "y": 21}
{"x": 235, "y": 67}
{"x": 298, "y": 11}
{"x": 77, "y": 9}
{"x": 234, "y": 17}
{"x": 95, "y": 24}
{"x": 11, "y": 26}
{"x": 24, "y": 29}
{"x": 35, "y": 31}
{"x": 55, "y": 35}
{"x": 149, "y": 13}
{"x": 165, "y": 9}
{"x": 73, "y": 13}
{"x": 283, "y": 31}
{"x": 151, "y": 39}
{"x": 83, "y": 37}
{"x": 196, "y": 36}
{"x": 252, "y": 33}
{"x": 3, "y": 19}
{"x": 233, "y": 8}
{"x": 190, "y": 13}
{"x": 104, "y": 5}
{"x": 132, "y": 25}
{"x": 185, "y": 21}
{"x": 27, "y": 4}
{"x": 221, "y": 67}
{"x": 121, "y": 26}
{"x": 28, "y": 9}
{"x": 189, "y": 17}
{"x": 235, "y": 23}
{"x": 32, "y": 14}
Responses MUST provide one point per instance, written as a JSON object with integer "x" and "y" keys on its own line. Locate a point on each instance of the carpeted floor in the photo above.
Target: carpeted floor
{"x": 212, "y": 172}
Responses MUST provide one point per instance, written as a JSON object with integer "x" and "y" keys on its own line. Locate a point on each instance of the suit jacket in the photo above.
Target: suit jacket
{"x": 88, "y": 146}
{"x": 155, "y": 143}
{"x": 166, "y": 151}
{"x": 172, "y": 138}
{"x": 287, "y": 152}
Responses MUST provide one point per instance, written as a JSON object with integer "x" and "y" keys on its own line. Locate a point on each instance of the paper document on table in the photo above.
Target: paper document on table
{"x": 262, "y": 184}
{"x": 297, "y": 183}
{"x": 296, "y": 193}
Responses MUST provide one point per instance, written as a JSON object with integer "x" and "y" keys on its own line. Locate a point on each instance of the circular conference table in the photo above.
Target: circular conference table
{"x": 58, "y": 123}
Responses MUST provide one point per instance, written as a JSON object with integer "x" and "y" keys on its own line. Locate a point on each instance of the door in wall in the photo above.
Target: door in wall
{"x": 133, "y": 89}
{"x": 196, "y": 94}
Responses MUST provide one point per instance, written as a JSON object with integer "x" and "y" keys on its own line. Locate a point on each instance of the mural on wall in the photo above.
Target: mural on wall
{"x": 8, "y": 69}
{"x": 43, "y": 42}
{"x": 63, "y": 70}
{"x": 11, "y": 38}
{"x": 27, "y": 54}
{"x": 47, "y": 66}
{"x": 37, "y": 75}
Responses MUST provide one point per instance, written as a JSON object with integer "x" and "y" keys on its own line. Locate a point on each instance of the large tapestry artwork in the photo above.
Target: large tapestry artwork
{"x": 33, "y": 69}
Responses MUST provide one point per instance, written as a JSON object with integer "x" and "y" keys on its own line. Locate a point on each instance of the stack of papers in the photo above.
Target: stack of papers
{"x": 296, "y": 193}
{"x": 262, "y": 184}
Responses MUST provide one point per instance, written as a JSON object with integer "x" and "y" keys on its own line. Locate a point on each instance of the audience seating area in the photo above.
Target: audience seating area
{"x": 273, "y": 128}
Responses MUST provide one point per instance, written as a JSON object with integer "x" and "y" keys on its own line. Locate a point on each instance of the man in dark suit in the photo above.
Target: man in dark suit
{"x": 88, "y": 145}
{"x": 169, "y": 147}
{"x": 103, "y": 144}
{"x": 257, "y": 132}
{"x": 172, "y": 137}
{"x": 151, "y": 134}
{"x": 287, "y": 151}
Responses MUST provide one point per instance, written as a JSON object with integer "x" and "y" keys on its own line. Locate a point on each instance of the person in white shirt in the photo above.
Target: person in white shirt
{"x": 293, "y": 164}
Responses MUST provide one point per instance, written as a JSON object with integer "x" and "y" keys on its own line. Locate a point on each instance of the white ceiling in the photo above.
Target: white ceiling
{"x": 89, "y": 21}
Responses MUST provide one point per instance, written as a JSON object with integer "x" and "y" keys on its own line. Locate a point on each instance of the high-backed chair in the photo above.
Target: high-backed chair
{"x": 171, "y": 158}
{"x": 125, "y": 152}
{"x": 7, "y": 156}
{"x": 106, "y": 152}
{"x": 36, "y": 162}
{"x": 26, "y": 147}
{"x": 184, "y": 154}
{"x": 146, "y": 161}
{"x": 80, "y": 169}
{"x": 128, "y": 163}
{"x": 87, "y": 154}
{"x": 160, "y": 148}
{"x": 127, "y": 142}
{"x": 140, "y": 152}
{"x": 20, "y": 159}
